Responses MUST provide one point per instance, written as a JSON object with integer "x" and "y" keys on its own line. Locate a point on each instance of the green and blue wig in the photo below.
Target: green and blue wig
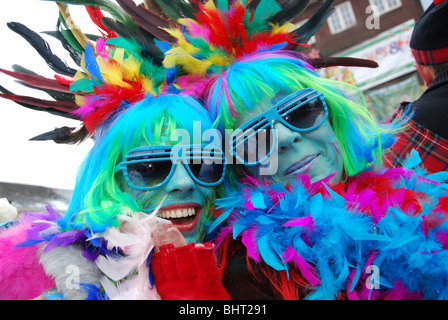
{"x": 99, "y": 195}
{"x": 261, "y": 76}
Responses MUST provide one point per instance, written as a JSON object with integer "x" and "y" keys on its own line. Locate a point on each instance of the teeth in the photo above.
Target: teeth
{"x": 176, "y": 213}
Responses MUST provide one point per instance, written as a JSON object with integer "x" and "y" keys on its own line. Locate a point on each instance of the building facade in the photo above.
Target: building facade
{"x": 379, "y": 30}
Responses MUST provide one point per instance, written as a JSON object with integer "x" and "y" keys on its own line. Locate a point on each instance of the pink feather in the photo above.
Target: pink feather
{"x": 22, "y": 277}
{"x": 305, "y": 221}
{"x": 195, "y": 30}
{"x": 250, "y": 242}
{"x": 194, "y": 85}
{"x": 307, "y": 270}
{"x": 101, "y": 48}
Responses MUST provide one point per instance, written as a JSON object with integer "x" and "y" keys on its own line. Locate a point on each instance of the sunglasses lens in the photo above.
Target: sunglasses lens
{"x": 256, "y": 144}
{"x": 208, "y": 166}
{"x": 306, "y": 116}
{"x": 148, "y": 170}
{"x": 207, "y": 173}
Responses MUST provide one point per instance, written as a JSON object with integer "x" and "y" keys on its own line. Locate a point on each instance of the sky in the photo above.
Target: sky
{"x": 41, "y": 163}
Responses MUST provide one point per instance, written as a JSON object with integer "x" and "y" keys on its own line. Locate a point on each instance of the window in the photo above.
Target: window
{"x": 313, "y": 38}
{"x": 342, "y": 18}
{"x": 385, "y": 6}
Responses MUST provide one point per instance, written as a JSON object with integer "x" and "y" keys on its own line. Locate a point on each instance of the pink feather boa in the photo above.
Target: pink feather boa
{"x": 22, "y": 277}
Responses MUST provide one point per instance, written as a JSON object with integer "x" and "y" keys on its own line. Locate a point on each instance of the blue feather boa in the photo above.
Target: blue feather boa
{"x": 381, "y": 235}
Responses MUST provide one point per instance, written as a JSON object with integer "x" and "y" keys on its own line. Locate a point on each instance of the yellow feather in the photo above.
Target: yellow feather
{"x": 187, "y": 22}
{"x": 181, "y": 41}
{"x": 219, "y": 59}
{"x": 131, "y": 67}
{"x": 172, "y": 55}
{"x": 210, "y": 5}
{"x": 78, "y": 75}
{"x": 285, "y": 28}
{"x": 80, "y": 100}
{"x": 148, "y": 85}
{"x": 118, "y": 55}
{"x": 77, "y": 33}
{"x": 193, "y": 65}
{"x": 112, "y": 74}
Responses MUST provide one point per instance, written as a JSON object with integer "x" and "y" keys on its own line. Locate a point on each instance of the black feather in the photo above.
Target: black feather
{"x": 290, "y": 10}
{"x": 42, "y": 47}
{"x": 309, "y": 29}
{"x": 145, "y": 39}
{"x": 56, "y": 95}
{"x": 75, "y": 55}
{"x": 147, "y": 20}
{"x": 39, "y": 108}
{"x": 64, "y": 135}
{"x": 177, "y": 9}
{"x": 326, "y": 62}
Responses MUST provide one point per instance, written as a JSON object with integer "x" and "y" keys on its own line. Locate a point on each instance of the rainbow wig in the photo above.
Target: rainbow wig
{"x": 261, "y": 76}
{"x": 99, "y": 195}
{"x": 236, "y": 55}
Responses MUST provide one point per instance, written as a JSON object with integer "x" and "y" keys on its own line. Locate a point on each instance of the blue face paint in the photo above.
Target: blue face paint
{"x": 314, "y": 153}
{"x": 177, "y": 180}
{"x": 182, "y": 201}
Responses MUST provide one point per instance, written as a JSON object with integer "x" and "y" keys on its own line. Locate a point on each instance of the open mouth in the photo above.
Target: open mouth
{"x": 303, "y": 166}
{"x": 184, "y": 216}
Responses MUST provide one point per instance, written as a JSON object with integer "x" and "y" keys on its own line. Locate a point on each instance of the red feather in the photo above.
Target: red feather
{"x": 63, "y": 106}
{"x": 38, "y": 81}
{"x": 219, "y": 35}
{"x": 96, "y": 15}
{"x": 108, "y": 99}
{"x": 63, "y": 80}
{"x": 236, "y": 28}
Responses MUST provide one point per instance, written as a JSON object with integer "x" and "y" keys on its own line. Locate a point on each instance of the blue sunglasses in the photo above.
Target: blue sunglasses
{"x": 150, "y": 167}
{"x": 302, "y": 111}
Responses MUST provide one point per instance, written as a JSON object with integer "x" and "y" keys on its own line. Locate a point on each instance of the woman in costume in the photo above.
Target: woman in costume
{"x": 127, "y": 179}
{"x": 114, "y": 242}
{"x": 328, "y": 222}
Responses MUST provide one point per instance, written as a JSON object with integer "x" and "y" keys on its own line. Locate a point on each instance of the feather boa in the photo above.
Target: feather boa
{"x": 381, "y": 235}
{"x": 22, "y": 277}
{"x": 121, "y": 254}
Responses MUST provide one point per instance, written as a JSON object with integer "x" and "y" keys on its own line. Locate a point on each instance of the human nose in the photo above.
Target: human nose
{"x": 286, "y": 137}
{"x": 180, "y": 182}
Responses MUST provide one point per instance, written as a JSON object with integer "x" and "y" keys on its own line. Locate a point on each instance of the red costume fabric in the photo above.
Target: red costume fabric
{"x": 187, "y": 273}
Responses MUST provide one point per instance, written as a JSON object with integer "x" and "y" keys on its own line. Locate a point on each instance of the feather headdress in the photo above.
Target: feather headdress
{"x": 145, "y": 48}
{"x": 223, "y": 32}
{"x": 114, "y": 70}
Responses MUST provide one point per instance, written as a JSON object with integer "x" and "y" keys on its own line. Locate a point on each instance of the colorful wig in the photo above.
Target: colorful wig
{"x": 261, "y": 76}
{"x": 99, "y": 195}
{"x": 249, "y": 53}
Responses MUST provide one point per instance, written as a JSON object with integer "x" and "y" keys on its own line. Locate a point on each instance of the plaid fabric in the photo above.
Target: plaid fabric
{"x": 430, "y": 57}
{"x": 432, "y": 148}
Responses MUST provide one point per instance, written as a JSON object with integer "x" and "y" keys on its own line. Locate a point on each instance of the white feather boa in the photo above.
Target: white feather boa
{"x": 123, "y": 276}
{"x": 127, "y": 277}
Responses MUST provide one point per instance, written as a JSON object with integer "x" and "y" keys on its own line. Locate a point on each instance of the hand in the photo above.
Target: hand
{"x": 167, "y": 234}
{"x": 184, "y": 271}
